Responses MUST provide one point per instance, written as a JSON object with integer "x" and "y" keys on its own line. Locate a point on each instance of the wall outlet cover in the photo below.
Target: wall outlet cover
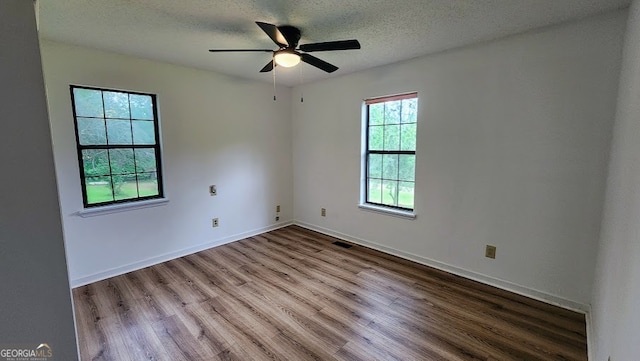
{"x": 490, "y": 251}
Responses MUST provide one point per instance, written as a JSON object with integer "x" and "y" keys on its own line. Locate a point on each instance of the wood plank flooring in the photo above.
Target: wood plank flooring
{"x": 290, "y": 294}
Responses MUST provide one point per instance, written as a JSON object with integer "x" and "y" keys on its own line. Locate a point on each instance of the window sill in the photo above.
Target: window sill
{"x": 389, "y": 211}
{"x": 115, "y": 208}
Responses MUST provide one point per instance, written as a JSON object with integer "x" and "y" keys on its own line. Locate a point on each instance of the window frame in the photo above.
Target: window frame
{"x": 142, "y": 200}
{"x": 396, "y": 210}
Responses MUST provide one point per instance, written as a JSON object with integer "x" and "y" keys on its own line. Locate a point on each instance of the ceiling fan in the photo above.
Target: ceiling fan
{"x": 289, "y": 54}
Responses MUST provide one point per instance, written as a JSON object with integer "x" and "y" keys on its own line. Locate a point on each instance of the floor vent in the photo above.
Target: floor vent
{"x": 342, "y": 244}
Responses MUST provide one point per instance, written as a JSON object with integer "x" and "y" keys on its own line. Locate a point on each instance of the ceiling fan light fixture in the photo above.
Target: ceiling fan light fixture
{"x": 286, "y": 37}
{"x": 286, "y": 59}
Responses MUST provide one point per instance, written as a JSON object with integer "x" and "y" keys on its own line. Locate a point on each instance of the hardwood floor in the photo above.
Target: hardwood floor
{"x": 291, "y": 294}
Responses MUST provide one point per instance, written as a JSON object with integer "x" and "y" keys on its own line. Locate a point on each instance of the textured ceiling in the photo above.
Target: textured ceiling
{"x": 181, "y": 31}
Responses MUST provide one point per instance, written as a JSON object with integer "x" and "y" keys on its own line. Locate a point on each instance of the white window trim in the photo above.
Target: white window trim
{"x": 121, "y": 207}
{"x": 389, "y": 211}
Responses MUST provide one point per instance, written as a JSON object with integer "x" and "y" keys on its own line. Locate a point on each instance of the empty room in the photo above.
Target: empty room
{"x": 320, "y": 180}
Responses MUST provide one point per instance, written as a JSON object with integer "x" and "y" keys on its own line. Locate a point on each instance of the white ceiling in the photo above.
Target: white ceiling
{"x": 181, "y": 31}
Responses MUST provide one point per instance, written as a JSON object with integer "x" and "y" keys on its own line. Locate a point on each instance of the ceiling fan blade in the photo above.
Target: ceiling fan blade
{"x": 291, "y": 34}
{"x": 318, "y": 63}
{"x": 273, "y": 33}
{"x": 240, "y": 50}
{"x": 267, "y": 68}
{"x": 331, "y": 45}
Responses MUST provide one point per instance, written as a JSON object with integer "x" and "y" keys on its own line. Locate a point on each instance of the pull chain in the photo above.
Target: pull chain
{"x": 274, "y": 80}
{"x": 301, "y": 82}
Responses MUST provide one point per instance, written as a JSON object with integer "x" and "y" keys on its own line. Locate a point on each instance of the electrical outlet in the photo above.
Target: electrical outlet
{"x": 277, "y": 218}
{"x": 278, "y": 209}
{"x": 490, "y": 252}
{"x": 323, "y": 212}
{"x": 212, "y": 190}
{"x": 214, "y": 222}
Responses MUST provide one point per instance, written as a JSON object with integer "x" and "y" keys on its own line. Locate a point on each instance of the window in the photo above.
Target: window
{"x": 390, "y": 153}
{"x": 118, "y": 144}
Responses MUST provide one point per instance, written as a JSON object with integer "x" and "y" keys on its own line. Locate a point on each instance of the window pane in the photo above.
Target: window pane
{"x": 376, "y": 114}
{"x": 125, "y": 186}
{"x": 407, "y": 165}
{"x": 375, "y": 166}
{"x": 145, "y": 160}
{"x": 408, "y": 137}
{"x": 410, "y": 110}
{"x": 143, "y": 132}
{"x": 91, "y": 131}
{"x": 116, "y": 105}
{"x": 119, "y": 131}
{"x": 95, "y": 162}
{"x": 98, "y": 189}
{"x": 141, "y": 106}
{"x": 117, "y": 121}
{"x": 376, "y": 137}
{"x": 88, "y": 103}
{"x": 390, "y": 193}
{"x": 390, "y": 166}
{"x": 375, "y": 191}
{"x": 148, "y": 184}
{"x": 392, "y": 112}
{"x": 391, "y": 128}
{"x": 405, "y": 194}
{"x": 121, "y": 161}
{"x": 391, "y": 137}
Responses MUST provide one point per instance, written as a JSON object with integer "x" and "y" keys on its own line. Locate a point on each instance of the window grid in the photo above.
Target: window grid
{"x": 382, "y": 177}
{"x": 134, "y": 175}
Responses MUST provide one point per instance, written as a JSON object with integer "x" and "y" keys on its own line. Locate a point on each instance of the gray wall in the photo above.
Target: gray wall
{"x": 215, "y": 129}
{"x": 615, "y": 313}
{"x": 35, "y": 302}
{"x": 513, "y": 143}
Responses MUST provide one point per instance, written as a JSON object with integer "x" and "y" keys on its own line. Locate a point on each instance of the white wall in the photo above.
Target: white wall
{"x": 35, "y": 306}
{"x": 513, "y": 142}
{"x": 615, "y": 315}
{"x": 215, "y": 130}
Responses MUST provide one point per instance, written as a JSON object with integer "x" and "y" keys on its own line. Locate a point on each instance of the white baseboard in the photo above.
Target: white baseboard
{"x": 590, "y": 335}
{"x": 495, "y": 282}
{"x": 172, "y": 255}
{"x": 505, "y": 285}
